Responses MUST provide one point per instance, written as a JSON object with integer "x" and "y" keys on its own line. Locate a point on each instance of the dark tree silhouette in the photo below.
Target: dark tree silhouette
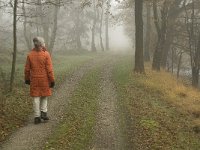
{"x": 139, "y": 56}
{"x": 14, "y": 44}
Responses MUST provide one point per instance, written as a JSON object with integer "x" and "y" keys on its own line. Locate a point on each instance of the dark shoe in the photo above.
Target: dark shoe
{"x": 37, "y": 120}
{"x": 44, "y": 116}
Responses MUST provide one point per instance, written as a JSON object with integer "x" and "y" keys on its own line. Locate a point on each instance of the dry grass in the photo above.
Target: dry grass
{"x": 162, "y": 112}
{"x": 184, "y": 97}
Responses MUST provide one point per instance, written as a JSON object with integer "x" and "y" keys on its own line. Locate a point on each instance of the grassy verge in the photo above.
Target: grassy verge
{"x": 76, "y": 130}
{"x": 158, "y": 109}
{"x": 15, "y": 107}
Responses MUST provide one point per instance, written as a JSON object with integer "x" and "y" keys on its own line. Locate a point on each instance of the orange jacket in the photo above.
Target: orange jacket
{"x": 39, "y": 70}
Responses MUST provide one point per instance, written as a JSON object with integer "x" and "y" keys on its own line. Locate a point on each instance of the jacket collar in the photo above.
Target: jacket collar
{"x": 41, "y": 49}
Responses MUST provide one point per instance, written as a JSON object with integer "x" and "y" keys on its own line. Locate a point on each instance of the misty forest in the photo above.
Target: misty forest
{"x": 116, "y": 74}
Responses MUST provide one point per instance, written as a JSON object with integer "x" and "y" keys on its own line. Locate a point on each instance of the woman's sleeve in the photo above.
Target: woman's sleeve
{"x": 27, "y": 69}
{"x": 49, "y": 67}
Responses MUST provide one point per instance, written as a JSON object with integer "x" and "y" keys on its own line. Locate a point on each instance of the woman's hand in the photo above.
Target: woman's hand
{"x": 52, "y": 84}
{"x": 28, "y": 82}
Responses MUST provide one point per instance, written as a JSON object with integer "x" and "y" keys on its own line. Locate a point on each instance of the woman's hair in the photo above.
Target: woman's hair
{"x": 40, "y": 40}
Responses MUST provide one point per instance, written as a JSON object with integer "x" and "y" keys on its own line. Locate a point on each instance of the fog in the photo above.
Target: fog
{"x": 106, "y": 73}
{"x": 97, "y": 26}
{"x": 119, "y": 41}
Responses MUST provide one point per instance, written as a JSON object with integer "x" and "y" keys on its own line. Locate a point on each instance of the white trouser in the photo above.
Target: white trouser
{"x": 39, "y": 104}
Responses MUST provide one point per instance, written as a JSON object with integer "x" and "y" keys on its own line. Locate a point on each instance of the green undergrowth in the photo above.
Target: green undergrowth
{"x": 76, "y": 130}
{"x": 151, "y": 120}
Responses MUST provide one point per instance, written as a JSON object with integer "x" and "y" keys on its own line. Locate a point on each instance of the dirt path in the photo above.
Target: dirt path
{"x": 107, "y": 130}
{"x": 32, "y": 137}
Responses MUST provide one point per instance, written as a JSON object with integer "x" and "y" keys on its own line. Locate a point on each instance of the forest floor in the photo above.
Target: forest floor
{"x": 103, "y": 105}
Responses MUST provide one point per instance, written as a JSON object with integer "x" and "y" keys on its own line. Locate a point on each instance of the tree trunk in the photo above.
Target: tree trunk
{"x": 166, "y": 47}
{"x": 139, "y": 60}
{"x": 157, "y": 56}
{"x": 148, "y": 31}
{"x": 196, "y": 65}
{"x": 179, "y": 64}
{"x": 27, "y": 39}
{"x": 107, "y": 26}
{"x": 195, "y": 76}
{"x": 54, "y": 31}
{"x": 194, "y": 44}
{"x": 157, "y": 53}
{"x": 14, "y": 44}
{"x": 1, "y": 13}
{"x": 77, "y": 30}
{"x": 78, "y": 41}
{"x": 161, "y": 31}
{"x": 93, "y": 46}
{"x": 101, "y": 24}
{"x": 37, "y": 19}
{"x": 172, "y": 60}
{"x": 165, "y": 53}
{"x": 45, "y": 24}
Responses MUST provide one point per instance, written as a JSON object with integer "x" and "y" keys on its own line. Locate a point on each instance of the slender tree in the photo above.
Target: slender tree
{"x": 148, "y": 32}
{"x": 77, "y": 25}
{"x": 27, "y": 39}
{"x": 45, "y": 22}
{"x": 161, "y": 27}
{"x": 139, "y": 60}
{"x": 101, "y": 26}
{"x": 93, "y": 46}
{"x": 54, "y": 31}
{"x": 192, "y": 25}
{"x": 14, "y": 44}
{"x": 107, "y": 25}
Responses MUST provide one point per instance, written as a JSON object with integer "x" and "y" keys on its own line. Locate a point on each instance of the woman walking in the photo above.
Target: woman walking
{"x": 39, "y": 75}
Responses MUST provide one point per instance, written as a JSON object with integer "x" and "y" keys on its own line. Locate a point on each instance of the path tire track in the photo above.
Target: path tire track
{"x": 107, "y": 131}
